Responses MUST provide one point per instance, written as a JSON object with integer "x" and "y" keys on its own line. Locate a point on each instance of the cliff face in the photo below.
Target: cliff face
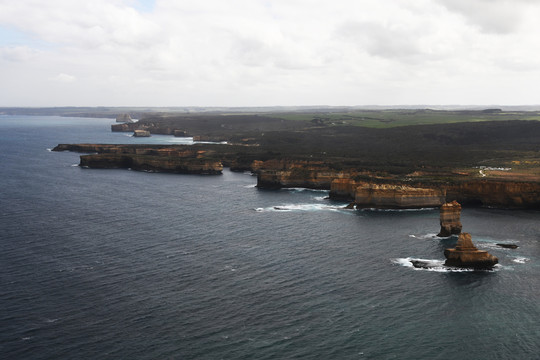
{"x": 150, "y": 158}
{"x": 152, "y": 163}
{"x": 497, "y": 193}
{"x": 450, "y": 214}
{"x": 397, "y": 196}
{"x": 343, "y": 189}
{"x": 466, "y": 255}
{"x": 286, "y": 174}
{"x": 505, "y": 194}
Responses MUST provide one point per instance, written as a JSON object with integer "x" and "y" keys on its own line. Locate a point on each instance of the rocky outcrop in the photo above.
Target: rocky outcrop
{"x": 392, "y": 196}
{"x": 508, "y": 246}
{"x": 141, "y": 133}
{"x": 466, "y": 255}
{"x": 124, "y": 118}
{"x": 450, "y": 214}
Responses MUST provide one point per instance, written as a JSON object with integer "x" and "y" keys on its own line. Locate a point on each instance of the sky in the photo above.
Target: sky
{"x": 269, "y": 52}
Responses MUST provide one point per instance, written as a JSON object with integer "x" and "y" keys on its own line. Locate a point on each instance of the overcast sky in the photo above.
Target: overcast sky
{"x": 269, "y": 52}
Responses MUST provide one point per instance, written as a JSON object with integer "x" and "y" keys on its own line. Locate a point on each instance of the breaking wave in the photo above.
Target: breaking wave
{"x": 301, "y": 207}
{"x": 521, "y": 260}
{"x": 433, "y": 265}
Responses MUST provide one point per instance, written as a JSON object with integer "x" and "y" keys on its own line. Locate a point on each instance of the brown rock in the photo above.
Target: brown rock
{"x": 450, "y": 219}
{"x": 141, "y": 133}
{"x": 466, "y": 255}
{"x": 342, "y": 188}
{"x": 397, "y": 196}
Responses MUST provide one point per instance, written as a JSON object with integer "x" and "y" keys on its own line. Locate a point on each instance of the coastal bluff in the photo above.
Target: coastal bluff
{"x": 163, "y": 158}
{"x": 394, "y": 196}
{"x": 345, "y": 182}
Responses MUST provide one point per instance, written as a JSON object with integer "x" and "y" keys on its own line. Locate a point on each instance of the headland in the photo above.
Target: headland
{"x": 382, "y": 159}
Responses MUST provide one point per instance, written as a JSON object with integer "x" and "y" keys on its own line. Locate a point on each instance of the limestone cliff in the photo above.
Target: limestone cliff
{"x": 152, "y": 163}
{"x": 510, "y": 194}
{"x": 466, "y": 255}
{"x": 450, "y": 214}
{"x": 344, "y": 188}
{"x": 158, "y": 158}
{"x": 295, "y": 173}
{"x": 397, "y": 196}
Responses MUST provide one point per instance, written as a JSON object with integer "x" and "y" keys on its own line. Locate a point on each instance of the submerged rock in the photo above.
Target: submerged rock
{"x": 422, "y": 264}
{"x": 508, "y": 246}
{"x": 450, "y": 219}
{"x": 466, "y": 255}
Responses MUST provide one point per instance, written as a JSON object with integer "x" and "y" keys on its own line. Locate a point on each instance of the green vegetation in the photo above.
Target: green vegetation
{"x": 394, "y": 118}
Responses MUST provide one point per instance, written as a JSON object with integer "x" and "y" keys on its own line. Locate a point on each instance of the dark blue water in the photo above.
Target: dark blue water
{"x": 117, "y": 264}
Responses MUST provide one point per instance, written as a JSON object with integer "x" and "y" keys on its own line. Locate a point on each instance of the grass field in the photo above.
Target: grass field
{"x": 394, "y": 118}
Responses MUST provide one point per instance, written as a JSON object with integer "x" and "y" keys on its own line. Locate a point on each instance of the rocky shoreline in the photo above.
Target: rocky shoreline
{"x": 365, "y": 190}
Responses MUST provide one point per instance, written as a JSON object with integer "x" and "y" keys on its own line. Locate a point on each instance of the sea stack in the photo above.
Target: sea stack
{"x": 124, "y": 118}
{"x": 466, "y": 255}
{"x": 450, "y": 219}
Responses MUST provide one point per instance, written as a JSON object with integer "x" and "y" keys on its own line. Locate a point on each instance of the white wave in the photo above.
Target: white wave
{"x": 426, "y": 236}
{"x": 396, "y": 210}
{"x": 322, "y": 198}
{"x": 74, "y": 165}
{"x": 250, "y": 186}
{"x": 306, "y": 189}
{"x": 49, "y": 149}
{"x": 521, "y": 260}
{"x": 301, "y": 207}
{"x": 433, "y": 265}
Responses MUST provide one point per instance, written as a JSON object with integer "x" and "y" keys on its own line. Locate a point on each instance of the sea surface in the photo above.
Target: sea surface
{"x": 119, "y": 264}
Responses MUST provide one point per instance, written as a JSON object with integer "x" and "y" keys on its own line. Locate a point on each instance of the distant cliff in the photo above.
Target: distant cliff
{"x": 494, "y": 193}
{"x": 145, "y": 158}
{"x": 397, "y": 196}
{"x": 344, "y": 181}
{"x": 295, "y": 173}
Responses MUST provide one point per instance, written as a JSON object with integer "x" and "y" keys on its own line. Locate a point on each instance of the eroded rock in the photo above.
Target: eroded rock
{"x": 466, "y": 255}
{"x": 450, "y": 214}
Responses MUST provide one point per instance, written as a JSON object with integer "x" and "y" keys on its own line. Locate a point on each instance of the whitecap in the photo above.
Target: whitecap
{"x": 434, "y": 265}
{"x": 303, "y": 207}
{"x": 74, "y": 165}
{"x": 251, "y": 186}
{"x": 521, "y": 260}
{"x": 49, "y": 149}
{"x": 396, "y": 210}
{"x": 427, "y": 236}
{"x": 305, "y": 189}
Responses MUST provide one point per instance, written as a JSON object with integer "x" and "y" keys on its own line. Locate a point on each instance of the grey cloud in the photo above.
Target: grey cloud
{"x": 17, "y": 53}
{"x": 380, "y": 40}
{"x": 491, "y": 16}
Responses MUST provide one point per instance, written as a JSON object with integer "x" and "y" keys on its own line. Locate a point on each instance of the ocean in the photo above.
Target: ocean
{"x": 119, "y": 264}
